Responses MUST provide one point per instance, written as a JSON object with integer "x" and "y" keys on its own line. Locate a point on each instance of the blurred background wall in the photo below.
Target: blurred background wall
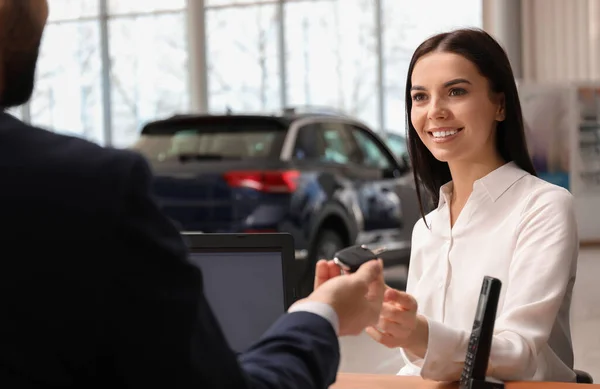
{"x": 548, "y": 40}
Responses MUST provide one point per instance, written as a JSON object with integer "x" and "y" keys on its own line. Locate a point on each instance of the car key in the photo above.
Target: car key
{"x": 351, "y": 258}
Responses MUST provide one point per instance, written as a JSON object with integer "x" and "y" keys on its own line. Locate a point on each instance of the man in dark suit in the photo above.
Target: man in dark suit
{"x": 95, "y": 287}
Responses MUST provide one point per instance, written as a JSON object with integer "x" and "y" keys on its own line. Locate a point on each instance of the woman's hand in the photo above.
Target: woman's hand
{"x": 399, "y": 325}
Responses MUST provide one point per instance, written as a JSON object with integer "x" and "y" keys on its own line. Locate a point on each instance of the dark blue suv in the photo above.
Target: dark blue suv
{"x": 326, "y": 179}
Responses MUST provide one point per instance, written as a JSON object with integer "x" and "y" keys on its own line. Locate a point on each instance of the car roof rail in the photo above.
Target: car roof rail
{"x": 313, "y": 109}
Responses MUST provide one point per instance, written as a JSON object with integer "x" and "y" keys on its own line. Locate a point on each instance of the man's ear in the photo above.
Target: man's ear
{"x": 501, "y": 110}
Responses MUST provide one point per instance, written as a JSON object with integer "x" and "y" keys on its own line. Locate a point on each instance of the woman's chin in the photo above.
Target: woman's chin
{"x": 443, "y": 156}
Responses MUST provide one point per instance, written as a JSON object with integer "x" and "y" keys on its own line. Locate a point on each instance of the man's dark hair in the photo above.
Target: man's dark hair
{"x": 20, "y": 39}
{"x": 492, "y": 62}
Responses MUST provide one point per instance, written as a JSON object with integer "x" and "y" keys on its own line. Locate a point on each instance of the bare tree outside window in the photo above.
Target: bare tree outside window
{"x": 67, "y": 96}
{"x": 243, "y": 72}
{"x": 149, "y": 76}
{"x": 62, "y": 10}
{"x": 220, "y": 3}
{"x": 331, "y": 56}
{"x": 124, "y": 7}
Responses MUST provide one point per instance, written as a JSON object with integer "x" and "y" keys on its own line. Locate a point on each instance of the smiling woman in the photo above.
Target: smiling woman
{"x": 494, "y": 217}
{"x": 459, "y": 88}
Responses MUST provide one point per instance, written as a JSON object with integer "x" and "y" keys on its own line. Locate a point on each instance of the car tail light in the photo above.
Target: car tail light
{"x": 284, "y": 181}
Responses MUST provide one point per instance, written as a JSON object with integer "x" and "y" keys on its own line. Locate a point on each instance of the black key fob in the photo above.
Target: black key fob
{"x": 351, "y": 258}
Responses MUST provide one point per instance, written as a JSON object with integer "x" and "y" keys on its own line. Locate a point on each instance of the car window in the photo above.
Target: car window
{"x": 397, "y": 144}
{"x": 374, "y": 155}
{"x": 309, "y": 145}
{"x": 217, "y": 141}
{"x": 338, "y": 146}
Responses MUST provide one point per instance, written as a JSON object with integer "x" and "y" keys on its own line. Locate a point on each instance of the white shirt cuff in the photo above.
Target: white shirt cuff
{"x": 446, "y": 351}
{"x": 320, "y": 309}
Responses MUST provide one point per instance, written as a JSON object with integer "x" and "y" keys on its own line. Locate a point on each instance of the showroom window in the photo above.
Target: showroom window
{"x": 348, "y": 56}
{"x": 149, "y": 77}
{"x": 121, "y": 60}
{"x": 331, "y": 56}
{"x": 242, "y": 56}
{"x": 68, "y": 89}
{"x": 109, "y": 66}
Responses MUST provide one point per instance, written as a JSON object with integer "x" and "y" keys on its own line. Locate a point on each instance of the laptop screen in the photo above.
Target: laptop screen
{"x": 245, "y": 289}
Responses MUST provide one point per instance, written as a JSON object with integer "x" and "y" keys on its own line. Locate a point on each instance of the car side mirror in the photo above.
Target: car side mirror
{"x": 393, "y": 172}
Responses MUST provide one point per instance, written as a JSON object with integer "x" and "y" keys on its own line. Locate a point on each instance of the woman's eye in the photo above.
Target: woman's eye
{"x": 418, "y": 97}
{"x": 457, "y": 92}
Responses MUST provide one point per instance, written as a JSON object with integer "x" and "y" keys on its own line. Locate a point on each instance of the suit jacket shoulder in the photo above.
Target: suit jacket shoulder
{"x": 72, "y": 174}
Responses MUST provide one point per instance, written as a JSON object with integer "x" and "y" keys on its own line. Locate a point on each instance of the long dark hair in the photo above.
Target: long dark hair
{"x": 490, "y": 58}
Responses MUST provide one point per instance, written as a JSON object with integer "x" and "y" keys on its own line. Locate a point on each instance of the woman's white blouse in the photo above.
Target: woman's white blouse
{"x": 521, "y": 230}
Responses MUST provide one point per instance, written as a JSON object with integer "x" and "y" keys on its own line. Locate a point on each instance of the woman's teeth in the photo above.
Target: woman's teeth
{"x": 443, "y": 134}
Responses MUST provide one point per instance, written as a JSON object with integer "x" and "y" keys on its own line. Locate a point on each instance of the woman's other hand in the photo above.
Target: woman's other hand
{"x": 399, "y": 324}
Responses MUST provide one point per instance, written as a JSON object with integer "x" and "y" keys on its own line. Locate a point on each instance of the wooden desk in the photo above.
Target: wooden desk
{"x": 372, "y": 381}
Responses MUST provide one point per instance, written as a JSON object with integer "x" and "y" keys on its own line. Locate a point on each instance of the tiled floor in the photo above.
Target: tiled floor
{"x": 362, "y": 355}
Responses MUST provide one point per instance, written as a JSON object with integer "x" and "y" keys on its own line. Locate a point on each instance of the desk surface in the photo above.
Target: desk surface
{"x": 372, "y": 381}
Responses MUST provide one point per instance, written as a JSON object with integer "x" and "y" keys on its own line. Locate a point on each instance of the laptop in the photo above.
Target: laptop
{"x": 249, "y": 280}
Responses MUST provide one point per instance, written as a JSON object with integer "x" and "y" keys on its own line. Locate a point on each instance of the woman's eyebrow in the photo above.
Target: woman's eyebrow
{"x": 457, "y": 81}
{"x": 446, "y": 84}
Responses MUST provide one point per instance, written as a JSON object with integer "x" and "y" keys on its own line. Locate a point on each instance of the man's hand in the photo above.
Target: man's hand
{"x": 400, "y": 325}
{"x": 326, "y": 270}
{"x": 356, "y": 298}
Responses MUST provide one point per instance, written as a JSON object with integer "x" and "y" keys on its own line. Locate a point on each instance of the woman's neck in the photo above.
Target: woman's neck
{"x": 464, "y": 174}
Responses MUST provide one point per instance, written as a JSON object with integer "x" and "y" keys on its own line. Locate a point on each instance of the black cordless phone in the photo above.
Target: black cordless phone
{"x": 480, "y": 342}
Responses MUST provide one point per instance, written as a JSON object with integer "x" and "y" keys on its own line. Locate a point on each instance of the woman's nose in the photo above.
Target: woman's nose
{"x": 438, "y": 109}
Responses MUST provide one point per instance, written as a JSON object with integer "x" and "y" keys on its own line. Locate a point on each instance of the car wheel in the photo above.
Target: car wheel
{"x": 328, "y": 242}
